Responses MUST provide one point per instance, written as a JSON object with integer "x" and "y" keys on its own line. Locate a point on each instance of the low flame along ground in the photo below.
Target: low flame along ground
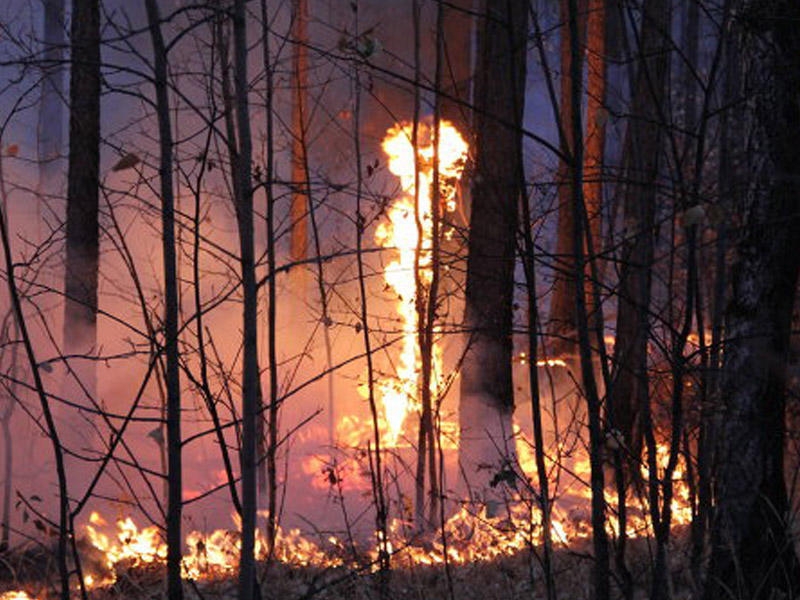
{"x": 470, "y": 536}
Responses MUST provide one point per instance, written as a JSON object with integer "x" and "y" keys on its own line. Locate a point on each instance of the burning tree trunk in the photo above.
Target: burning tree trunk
{"x": 629, "y": 393}
{"x": 487, "y": 392}
{"x": 248, "y": 585}
{"x": 82, "y": 231}
{"x": 752, "y": 548}
{"x": 51, "y": 109}
{"x": 174, "y": 477}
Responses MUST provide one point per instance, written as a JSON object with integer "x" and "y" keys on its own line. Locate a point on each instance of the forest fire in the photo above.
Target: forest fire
{"x": 466, "y": 536}
{"x": 445, "y": 299}
{"x": 410, "y": 232}
{"x": 15, "y": 595}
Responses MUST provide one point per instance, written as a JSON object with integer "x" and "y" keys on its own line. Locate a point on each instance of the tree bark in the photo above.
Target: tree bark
{"x": 562, "y": 307}
{"x": 172, "y": 376}
{"x": 752, "y": 548}
{"x": 456, "y": 57}
{"x": 83, "y": 182}
{"x": 596, "y": 117}
{"x": 298, "y": 216}
{"x": 248, "y": 585}
{"x": 487, "y": 393}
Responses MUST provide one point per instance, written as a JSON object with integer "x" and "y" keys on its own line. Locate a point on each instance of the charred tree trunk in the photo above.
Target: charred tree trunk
{"x": 82, "y": 231}
{"x": 752, "y": 547}
{"x": 629, "y": 394}
{"x": 487, "y": 392}
{"x": 248, "y": 584}
{"x": 172, "y": 376}
{"x": 51, "y": 111}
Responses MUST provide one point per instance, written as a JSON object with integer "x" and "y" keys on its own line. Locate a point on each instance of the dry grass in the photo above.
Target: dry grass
{"x": 509, "y": 578}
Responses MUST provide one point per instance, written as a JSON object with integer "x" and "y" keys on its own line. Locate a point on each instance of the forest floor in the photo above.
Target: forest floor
{"x": 507, "y": 578}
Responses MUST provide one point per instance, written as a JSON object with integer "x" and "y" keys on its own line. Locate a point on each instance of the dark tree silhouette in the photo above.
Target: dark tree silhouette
{"x": 752, "y": 549}
{"x": 487, "y": 392}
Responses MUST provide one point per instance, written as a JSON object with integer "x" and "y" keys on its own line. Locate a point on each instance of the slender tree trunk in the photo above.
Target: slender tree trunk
{"x": 376, "y": 464}
{"x": 528, "y": 261}
{"x": 752, "y": 548}
{"x": 174, "y": 444}
{"x": 248, "y": 584}
{"x": 730, "y": 128}
{"x": 600, "y": 570}
{"x": 51, "y": 111}
{"x": 298, "y": 213}
{"x": 265, "y": 477}
{"x": 487, "y": 392}
{"x": 269, "y": 474}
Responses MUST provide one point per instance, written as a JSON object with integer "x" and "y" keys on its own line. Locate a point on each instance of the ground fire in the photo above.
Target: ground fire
{"x": 399, "y": 300}
{"x": 467, "y": 536}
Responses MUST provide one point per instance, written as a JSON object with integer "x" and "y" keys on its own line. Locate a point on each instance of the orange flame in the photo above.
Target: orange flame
{"x": 410, "y": 232}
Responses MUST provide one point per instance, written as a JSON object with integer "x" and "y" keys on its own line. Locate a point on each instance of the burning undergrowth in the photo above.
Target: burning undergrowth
{"x": 341, "y": 572}
{"x": 484, "y": 549}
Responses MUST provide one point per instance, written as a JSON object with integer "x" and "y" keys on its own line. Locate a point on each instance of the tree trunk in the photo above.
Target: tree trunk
{"x": 51, "y": 111}
{"x": 174, "y": 473}
{"x": 82, "y": 231}
{"x": 487, "y": 392}
{"x": 629, "y": 392}
{"x": 752, "y": 547}
{"x": 298, "y": 217}
{"x": 248, "y": 585}
{"x": 455, "y": 65}
{"x": 456, "y": 58}
{"x": 562, "y": 307}
{"x": 596, "y": 117}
